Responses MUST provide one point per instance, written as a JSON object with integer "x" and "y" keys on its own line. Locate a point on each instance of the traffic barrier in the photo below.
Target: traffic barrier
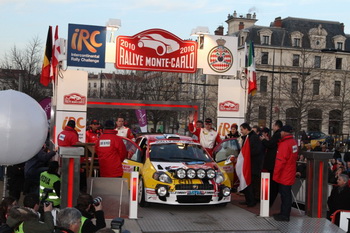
{"x": 265, "y": 194}
{"x": 134, "y": 189}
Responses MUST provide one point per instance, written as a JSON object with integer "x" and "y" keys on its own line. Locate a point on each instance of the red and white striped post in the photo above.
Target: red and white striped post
{"x": 134, "y": 190}
{"x": 265, "y": 195}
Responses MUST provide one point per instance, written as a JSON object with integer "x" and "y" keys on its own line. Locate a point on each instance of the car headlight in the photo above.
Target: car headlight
{"x": 162, "y": 191}
{"x": 226, "y": 191}
{"x": 162, "y": 177}
{"x": 191, "y": 173}
{"x": 201, "y": 173}
{"x": 181, "y": 173}
{"x": 210, "y": 173}
{"x": 219, "y": 178}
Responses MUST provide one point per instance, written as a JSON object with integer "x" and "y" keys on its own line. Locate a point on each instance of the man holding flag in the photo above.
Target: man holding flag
{"x": 249, "y": 164}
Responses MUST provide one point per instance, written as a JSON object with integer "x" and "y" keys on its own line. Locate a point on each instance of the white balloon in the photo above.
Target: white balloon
{"x": 23, "y": 127}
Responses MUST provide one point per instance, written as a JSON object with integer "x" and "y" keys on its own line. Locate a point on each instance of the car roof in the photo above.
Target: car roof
{"x": 167, "y": 137}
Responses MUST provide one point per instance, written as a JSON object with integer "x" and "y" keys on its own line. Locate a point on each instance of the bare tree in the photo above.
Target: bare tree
{"x": 21, "y": 70}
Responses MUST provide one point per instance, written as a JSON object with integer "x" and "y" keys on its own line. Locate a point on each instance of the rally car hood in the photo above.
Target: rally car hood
{"x": 166, "y": 166}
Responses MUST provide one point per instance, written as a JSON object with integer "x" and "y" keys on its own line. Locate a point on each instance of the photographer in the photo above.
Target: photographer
{"x": 90, "y": 208}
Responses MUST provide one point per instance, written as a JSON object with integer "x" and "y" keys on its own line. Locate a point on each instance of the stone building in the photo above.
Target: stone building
{"x": 303, "y": 72}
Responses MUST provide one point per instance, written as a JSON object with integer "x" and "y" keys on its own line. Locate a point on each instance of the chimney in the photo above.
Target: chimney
{"x": 240, "y": 26}
{"x": 342, "y": 27}
{"x": 249, "y": 16}
{"x": 235, "y": 14}
{"x": 278, "y": 22}
{"x": 219, "y": 31}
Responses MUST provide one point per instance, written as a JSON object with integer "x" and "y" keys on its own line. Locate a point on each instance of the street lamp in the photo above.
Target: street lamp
{"x": 113, "y": 25}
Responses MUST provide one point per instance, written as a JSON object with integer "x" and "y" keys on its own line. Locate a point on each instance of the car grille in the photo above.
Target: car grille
{"x": 193, "y": 199}
{"x": 194, "y": 187}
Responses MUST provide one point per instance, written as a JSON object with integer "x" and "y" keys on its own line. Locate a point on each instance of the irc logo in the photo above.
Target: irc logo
{"x": 83, "y": 36}
{"x": 79, "y": 123}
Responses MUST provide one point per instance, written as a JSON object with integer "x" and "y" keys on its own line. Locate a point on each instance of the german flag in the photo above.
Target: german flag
{"x": 45, "y": 71}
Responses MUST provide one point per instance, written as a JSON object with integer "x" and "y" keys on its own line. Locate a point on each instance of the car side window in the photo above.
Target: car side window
{"x": 226, "y": 149}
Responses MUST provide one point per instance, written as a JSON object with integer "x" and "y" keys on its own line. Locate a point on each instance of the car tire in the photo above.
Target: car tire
{"x": 141, "y": 194}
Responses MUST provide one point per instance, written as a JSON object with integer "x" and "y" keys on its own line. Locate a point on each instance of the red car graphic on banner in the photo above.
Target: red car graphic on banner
{"x": 229, "y": 106}
{"x": 74, "y": 98}
{"x": 157, "y": 50}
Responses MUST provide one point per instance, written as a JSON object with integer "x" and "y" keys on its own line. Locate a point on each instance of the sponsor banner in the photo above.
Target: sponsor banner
{"x": 62, "y": 117}
{"x": 218, "y": 55}
{"x": 46, "y": 105}
{"x": 86, "y": 46}
{"x": 157, "y": 50}
{"x": 224, "y": 125}
{"x": 231, "y": 99}
{"x": 141, "y": 117}
{"x": 72, "y": 90}
{"x": 231, "y": 105}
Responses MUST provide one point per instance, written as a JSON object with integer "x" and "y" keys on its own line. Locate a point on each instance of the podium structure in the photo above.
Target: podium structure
{"x": 317, "y": 183}
{"x": 70, "y": 174}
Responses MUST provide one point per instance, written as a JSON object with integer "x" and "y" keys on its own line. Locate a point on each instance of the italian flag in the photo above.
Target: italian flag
{"x": 250, "y": 71}
{"x": 243, "y": 166}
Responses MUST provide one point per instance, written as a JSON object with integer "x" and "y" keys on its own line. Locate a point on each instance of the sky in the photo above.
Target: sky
{"x": 24, "y": 20}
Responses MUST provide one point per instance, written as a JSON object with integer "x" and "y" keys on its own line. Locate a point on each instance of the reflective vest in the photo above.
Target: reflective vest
{"x": 20, "y": 229}
{"x": 83, "y": 219}
{"x": 46, "y": 182}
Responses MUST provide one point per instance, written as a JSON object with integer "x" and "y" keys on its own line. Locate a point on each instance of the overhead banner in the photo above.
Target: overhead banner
{"x": 157, "y": 50}
{"x": 86, "y": 46}
{"x": 217, "y": 55}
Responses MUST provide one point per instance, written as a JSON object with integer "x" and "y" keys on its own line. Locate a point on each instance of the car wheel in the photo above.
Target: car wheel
{"x": 141, "y": 197}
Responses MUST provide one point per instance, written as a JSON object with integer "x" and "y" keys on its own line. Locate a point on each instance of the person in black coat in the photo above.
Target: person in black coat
{"x": 339, "y": 198}
{"x": 90, "y": 210}
{"x": 271, "y": 146}
{"x": 34, "y": 167}
{"x": 252, "y": 191}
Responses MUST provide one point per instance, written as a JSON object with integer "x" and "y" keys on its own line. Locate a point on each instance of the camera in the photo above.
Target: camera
{"x": 97, "y": 201}
{"x": 117, "y": 224}
{"x": 47, "y": 203}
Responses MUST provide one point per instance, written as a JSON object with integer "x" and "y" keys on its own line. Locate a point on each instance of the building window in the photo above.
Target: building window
{"x": 264, "y": 58}
{"x": 317, "y": 63}
{"x": 294, "y": 85}
{"x": 95, "y": 85}
{"x": 89, "y": 85}
{"x": 337, "y": 87}
{"x": 314, "y": 121}
{"x": 340, "y": 45}
{"x": 266, "y": 40}
{"x": 316, "y": 87}
{"x": 292, "y": 117}
{"x": 335, "y": 122}
{"x": 296, "y": 59}
{"x": 296, "y": 42}
{"x": 262, "y": 115}
{"x": 263, "y": 84}
{"x": 338, "y": 62}
{"x": 102, "y": 85}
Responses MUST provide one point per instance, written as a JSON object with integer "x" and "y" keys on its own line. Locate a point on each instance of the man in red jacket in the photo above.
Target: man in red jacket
{"x": 285, "y": 170}
{"x": 69, "y": 136}
{"x": 111, "y": 152}
{"x": 94, "y": 132}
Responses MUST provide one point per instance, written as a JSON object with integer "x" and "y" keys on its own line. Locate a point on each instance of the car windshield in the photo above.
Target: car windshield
{"x": 178, "y": 152}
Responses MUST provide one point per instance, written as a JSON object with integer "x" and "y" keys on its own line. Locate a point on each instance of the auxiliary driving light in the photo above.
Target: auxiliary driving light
{"x": 181, "y": 173}
{"x": 211, "y": 173}
{"x": 201, "y": 173}
{"x": 191, "y": 173}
